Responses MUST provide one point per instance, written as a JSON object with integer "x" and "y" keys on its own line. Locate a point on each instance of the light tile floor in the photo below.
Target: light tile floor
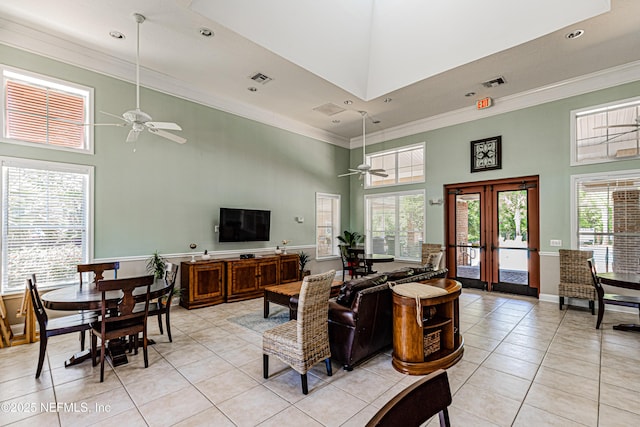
{"x": 525, "y": 364}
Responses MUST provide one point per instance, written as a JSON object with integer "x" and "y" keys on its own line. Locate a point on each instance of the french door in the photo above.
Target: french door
{"x": 492, "y": 230}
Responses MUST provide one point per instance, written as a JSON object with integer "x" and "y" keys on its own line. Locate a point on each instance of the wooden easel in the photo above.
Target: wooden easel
{"x": 26, "y": 310}
{"x": 5, "y": 329}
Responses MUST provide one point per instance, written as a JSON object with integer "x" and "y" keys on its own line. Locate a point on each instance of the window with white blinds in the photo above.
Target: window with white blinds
{"x": 45, "y": 222}
{"x": 327, "y": 224}
{"x": 45, "y": 111}
{"x": 607, "y": 219}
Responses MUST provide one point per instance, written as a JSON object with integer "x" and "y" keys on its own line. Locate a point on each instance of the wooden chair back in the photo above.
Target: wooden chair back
{"x": 38, "y": 307}
{"x": 415, "y": 405}
{"x": 126, "y": 305}
{"x": 98, "y": 270}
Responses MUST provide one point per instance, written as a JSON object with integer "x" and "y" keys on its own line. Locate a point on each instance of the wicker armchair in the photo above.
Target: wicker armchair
{"x": 575, "y": 277}
{"x": 303, "y": 342}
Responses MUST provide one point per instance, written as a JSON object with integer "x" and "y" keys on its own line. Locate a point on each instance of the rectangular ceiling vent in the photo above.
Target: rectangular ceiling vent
{"x": 263, "y": 79}
{"x": 329, "y": 109}
{"x": 494, "y": 82}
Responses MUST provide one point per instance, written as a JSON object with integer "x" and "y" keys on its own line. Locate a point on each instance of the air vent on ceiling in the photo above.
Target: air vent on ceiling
{"x": 494, "y": 82}
{"x": 260, "y": 78}
{"x": 329, "y": 109}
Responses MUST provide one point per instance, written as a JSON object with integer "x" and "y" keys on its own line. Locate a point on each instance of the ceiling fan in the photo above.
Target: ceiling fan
{"x": 138, "y": 119}
{"x": 364, "y": 168}
{"x": 635, "y": 126}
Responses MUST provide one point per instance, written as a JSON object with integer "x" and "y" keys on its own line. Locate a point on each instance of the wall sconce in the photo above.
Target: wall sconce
{"x": 436, "y": 201}
{"x": 299, "y": 219}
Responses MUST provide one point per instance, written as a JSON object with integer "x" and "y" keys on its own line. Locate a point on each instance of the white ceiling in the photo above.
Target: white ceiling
{"x": 424, "y": 58}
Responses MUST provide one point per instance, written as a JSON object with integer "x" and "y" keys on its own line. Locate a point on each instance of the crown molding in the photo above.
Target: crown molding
{"x": 604, "y": 79}
{"x": 25, "y": 38}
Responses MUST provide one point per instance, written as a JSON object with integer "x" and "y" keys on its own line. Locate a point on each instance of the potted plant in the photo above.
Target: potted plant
{"x": 156, "y": 265}
{"x": 304, "y": 259}
{"x": 351, "y": 238}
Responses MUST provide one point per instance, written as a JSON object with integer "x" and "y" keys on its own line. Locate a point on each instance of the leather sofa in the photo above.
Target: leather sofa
{"x": 361, "y": 316}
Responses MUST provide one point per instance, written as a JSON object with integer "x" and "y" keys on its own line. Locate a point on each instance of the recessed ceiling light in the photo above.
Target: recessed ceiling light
{"x": 252, "y": 89}
{"x": 348, "y": 102}
{"x": 574, "y": 34}
{"x": 468, "y": 94}
{"x": 387, "y": 100}
{"x": 205, "y": 32}
{"x": 116, "y": 35}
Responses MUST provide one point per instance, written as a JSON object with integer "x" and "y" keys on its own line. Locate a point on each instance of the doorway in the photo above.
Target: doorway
{"x": 492, "y": 235}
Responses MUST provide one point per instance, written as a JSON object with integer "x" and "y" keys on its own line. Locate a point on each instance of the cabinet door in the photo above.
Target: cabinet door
{"x": 289, "y": 268}
{"x": 208, "y": 281}
{"x": 243, "y": 278}
{"x": 269, "y": 272}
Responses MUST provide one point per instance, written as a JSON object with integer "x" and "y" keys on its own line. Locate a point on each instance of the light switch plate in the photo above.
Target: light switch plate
{"x": 554, "y": 242}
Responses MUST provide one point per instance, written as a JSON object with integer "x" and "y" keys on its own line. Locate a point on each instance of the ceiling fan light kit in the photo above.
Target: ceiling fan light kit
{"x": 364, "y": 168}
{"x": 138, "y": 120}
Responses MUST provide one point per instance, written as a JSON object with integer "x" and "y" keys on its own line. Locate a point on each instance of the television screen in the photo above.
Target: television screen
{"x": 244, "y": 225}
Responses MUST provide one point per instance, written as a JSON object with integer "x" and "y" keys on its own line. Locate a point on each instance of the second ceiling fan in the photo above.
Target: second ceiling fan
{"x": 364, "y": 168}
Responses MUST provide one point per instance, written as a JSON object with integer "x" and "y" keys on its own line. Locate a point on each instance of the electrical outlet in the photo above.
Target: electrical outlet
{"x": 554, "y": 242}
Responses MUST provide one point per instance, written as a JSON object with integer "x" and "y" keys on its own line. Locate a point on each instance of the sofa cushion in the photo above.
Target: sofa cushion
{"x": 432, "y": 259}
{"x": 399, "y": 274}
{"x": 349, "y": 288}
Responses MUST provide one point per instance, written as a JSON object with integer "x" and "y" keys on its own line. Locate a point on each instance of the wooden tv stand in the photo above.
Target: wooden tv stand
{"x": 214, "y": 281}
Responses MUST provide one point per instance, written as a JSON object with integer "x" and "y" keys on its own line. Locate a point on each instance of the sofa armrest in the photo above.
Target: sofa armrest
{"x": 341, "y": 314}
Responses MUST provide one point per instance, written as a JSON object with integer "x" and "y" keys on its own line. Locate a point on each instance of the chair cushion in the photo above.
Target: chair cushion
{"x": 401, "y": 273}
{"x": 348, "y": 289}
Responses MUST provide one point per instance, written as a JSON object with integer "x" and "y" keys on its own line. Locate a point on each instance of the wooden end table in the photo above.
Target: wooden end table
{"x": 281, "y": 294}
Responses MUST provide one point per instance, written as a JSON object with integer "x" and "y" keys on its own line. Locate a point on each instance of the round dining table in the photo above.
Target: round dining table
{"x": 87, "y": 297}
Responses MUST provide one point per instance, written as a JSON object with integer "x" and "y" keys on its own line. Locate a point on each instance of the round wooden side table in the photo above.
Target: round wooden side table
{"x": 426, "y": 329}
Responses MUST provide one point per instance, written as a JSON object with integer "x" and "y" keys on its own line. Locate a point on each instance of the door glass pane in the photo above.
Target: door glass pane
{"x": 512, "y": 237}
{"x": 468, "y": 236}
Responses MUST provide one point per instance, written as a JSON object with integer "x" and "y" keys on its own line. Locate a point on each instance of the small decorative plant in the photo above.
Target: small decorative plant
{"x": 156, "y": 265}
{"x": 304, "y": 259}
{"x": 351, "y": 238}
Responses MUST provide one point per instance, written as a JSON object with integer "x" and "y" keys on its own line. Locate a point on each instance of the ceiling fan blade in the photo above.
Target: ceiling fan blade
{"x": 378, "y": 170}
{"x": 163, "y": 125}
{"x": 348, "y": 173}
{"x": 629, "y": 125}
{"x": 170, "y": 136}
{"x": 113, "y": 115}
{"x": 381, "y": 174}
{"x": 133, "y": 135}
{"x": 104, "y": 124}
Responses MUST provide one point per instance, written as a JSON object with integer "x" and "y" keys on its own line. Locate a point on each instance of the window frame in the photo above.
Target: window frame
{"x": 600, "y": 108}
{"x": 575, "y": 180}
{"x": 396, "y": 152}
{"x": 87, "y": 170}
{"x": 397, "y": 194}
{"x": 49, "y": 82}
{"x": 336, "y": 200}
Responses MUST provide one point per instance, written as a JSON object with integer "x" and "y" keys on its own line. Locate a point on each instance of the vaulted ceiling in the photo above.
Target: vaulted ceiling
{"x": 320, "y": 62}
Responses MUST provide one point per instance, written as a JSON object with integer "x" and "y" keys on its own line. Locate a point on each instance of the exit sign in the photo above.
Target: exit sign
{"x": 484, "y": 103}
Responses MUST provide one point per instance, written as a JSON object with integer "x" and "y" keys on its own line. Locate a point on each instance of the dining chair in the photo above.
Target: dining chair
{"x": 303, "y": 342}
{"x": 121, "y": 321}
{"x": 613, "y": 299}
{"x": 162, "y": 305}
{"x": 57, "y": 326}
{"x": 413, "y": 406}
{"x": 350, "y": 264}
{"x": 98, "y": 270}
{"x": 575, "y": 279}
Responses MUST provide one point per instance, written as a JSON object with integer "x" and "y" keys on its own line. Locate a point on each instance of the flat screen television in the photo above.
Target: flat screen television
{"x": 244, "y": 225}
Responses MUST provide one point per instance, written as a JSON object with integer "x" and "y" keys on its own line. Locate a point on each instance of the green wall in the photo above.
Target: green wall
{"x": 535, "y": 141}
{"x": 165, "y": 196}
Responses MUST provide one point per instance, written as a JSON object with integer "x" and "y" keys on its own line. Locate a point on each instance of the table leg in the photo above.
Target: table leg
{"x": 629, "y": 327}
{"x": 266, "y": 305}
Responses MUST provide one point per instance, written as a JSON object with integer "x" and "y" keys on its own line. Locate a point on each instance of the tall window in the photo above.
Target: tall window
{"x": 404, "y": 166}
{"x": 45, "y": 222}
{"x": 395, "y": 224}
{"x": 606, "y": 133}
{"x": 607, "y": 219}
{"x": 327, "y": 224}
{"x": 48, "y": 112}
